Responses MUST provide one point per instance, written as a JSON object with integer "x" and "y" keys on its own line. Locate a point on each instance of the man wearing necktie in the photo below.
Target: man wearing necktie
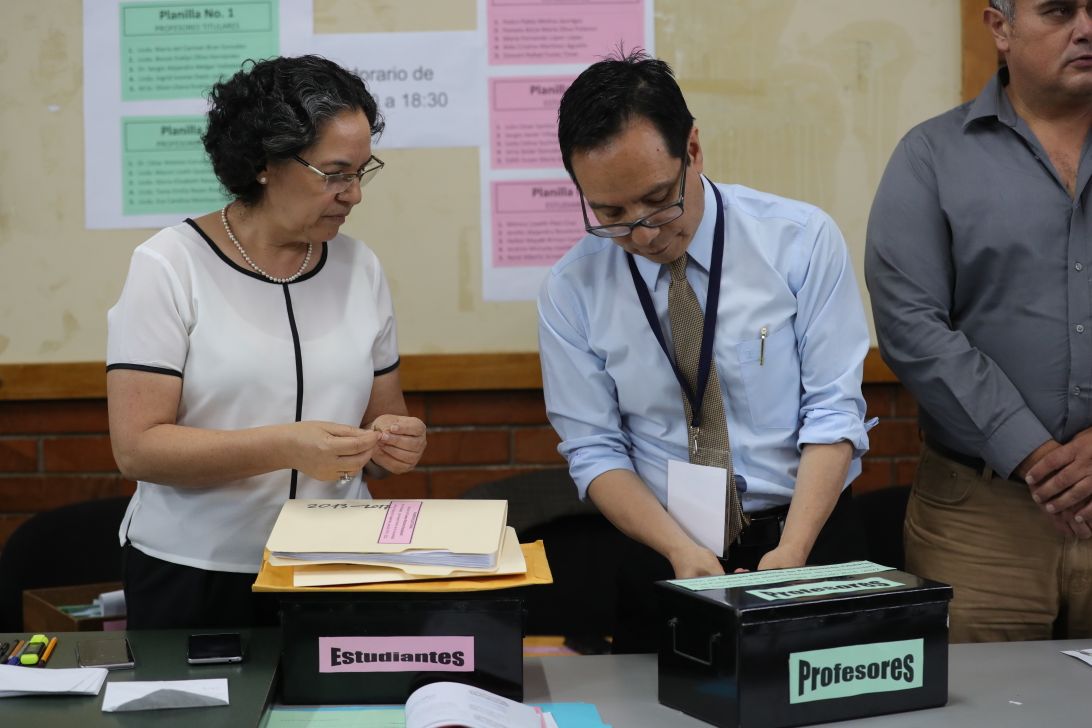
{"x": 712, "y": 327}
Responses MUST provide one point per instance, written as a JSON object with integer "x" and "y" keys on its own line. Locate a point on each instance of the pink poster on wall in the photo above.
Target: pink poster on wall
{"x": 535, "y": 49}
{"x": 523, "y": 121}
{"x": 561, "y": 31}
{"x": 534, "y": 221}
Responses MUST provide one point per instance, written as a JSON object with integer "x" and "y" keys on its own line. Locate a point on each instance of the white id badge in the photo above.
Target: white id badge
{"x": 696, "y": 499}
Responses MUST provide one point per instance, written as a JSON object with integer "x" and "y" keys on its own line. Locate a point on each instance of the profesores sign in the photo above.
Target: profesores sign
{"x": 840, "y": 672}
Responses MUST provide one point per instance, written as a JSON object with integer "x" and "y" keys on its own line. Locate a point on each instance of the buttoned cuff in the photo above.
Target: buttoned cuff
{"x": 1013, "y": 441}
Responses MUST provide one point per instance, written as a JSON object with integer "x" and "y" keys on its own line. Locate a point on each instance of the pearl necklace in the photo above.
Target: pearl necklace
{"x": 252, "y": 264}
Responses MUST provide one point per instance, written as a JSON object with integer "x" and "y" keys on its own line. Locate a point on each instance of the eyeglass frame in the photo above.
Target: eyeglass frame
{"x": 598, "y": 230}
{"x": 328, "y": 177}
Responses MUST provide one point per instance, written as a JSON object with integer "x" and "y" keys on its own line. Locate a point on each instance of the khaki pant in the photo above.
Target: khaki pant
{"x": 1014, "y": 576}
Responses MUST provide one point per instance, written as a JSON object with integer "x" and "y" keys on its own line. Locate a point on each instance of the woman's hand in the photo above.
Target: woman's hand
{"x": 325, "y": 450}
{"x": 401, "y": 442}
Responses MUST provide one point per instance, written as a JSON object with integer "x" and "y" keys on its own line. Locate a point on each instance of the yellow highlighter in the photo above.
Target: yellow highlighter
{"x": 33, "y": 651}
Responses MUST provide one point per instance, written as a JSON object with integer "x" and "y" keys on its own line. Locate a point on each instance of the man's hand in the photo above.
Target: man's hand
{"x": 1065, "y": 524}
{"x": 1033, "y": 459}
{"x": 782, "y": 557}
{"x": 694, "y": 560}
{"x": 1061, "y": 482}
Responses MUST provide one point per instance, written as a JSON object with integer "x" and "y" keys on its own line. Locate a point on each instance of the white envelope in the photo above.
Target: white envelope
{"x": 164, "y": 694}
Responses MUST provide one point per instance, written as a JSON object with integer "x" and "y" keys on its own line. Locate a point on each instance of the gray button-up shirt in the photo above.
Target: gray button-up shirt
{"x": 979, "y": 266}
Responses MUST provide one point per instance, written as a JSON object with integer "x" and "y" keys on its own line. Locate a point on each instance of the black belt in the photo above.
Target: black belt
{"x": 764, "y": 527}
{"x": 761, "y": 534}
{"x": 968, "y": 461}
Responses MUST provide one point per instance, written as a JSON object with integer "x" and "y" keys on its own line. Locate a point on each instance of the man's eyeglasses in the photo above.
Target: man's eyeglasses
{"x": 341, "y": 181}
{"x": 654, "y": 219}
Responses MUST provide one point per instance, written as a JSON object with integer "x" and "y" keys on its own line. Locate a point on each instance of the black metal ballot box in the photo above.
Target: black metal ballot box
{"x": 802, "y": 646}
{"x": 346, "y": 648}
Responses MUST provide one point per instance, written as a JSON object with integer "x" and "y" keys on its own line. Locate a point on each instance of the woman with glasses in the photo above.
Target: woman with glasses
{"x": 252, "y": 356}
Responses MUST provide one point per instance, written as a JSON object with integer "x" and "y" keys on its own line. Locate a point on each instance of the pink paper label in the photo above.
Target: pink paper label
{"x": 534, "y": 222}
{"x": 548, "y": 31}
{"x": 396, "y": 654}
{"x": 400, "y": 521}
{"x": 523, "y": 121}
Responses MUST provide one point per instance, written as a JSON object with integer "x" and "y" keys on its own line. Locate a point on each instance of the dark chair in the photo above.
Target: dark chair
{"x": 581, "y": 545}
{"x": 71, "y": 545}
{"x": 882, "y": 513}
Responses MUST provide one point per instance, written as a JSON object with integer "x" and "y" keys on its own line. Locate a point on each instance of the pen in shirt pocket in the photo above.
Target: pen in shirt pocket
{"x": 762, "y": 345}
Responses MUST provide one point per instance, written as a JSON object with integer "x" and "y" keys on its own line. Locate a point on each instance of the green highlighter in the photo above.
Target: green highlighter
{"x": 33, "y": 651}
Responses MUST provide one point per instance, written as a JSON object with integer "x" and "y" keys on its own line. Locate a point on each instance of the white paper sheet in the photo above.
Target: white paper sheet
{"x": 164, "y": 694}
{"x": 1082, "y": 655}
{"x": 696, "y": 497}
{"x": 16, "y": 680}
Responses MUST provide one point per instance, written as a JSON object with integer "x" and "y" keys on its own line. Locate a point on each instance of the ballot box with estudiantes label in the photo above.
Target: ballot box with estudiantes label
{"x": 378, "y": 648}
{"x": 803, "y": 646}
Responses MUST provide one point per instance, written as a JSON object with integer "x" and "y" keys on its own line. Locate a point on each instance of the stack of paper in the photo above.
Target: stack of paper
{"x": 16, "y": 680}
{"x": 332, "y": 542}
{"x": 510, "y": 561}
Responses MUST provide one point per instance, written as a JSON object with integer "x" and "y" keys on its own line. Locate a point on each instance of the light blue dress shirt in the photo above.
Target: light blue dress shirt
{"x": 610, "y": 391}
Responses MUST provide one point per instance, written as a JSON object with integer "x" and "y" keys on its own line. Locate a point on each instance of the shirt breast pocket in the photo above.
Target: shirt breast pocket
{"x": 770, "y": 367}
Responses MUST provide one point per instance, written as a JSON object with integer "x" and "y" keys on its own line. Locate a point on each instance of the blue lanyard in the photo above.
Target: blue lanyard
{"x": 709, "y": 325}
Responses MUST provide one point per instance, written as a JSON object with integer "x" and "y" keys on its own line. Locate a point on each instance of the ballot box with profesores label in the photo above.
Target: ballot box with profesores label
{"x": 793, "y": 647}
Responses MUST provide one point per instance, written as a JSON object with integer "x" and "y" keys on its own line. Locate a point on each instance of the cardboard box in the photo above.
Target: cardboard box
{"x": 803, "y": 646}
{"x": 42, "y": 613}
{"x": 374, "y": 647}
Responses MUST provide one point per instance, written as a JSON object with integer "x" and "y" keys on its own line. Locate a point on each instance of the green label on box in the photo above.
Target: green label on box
{"x": 879, "y": 667}
{"x": 774, "y": 576}
{"x": 822, "y": 588}
{"x": 164, "y": 166}
{"x": 177, "y": 51}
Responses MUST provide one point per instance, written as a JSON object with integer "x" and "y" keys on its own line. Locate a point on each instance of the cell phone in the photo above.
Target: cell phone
{"x": 113, "y": 654}
{"x": 207, "y": 649}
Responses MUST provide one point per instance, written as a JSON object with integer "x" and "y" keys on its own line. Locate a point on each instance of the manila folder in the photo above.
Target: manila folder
{"x": 362, "y": 527}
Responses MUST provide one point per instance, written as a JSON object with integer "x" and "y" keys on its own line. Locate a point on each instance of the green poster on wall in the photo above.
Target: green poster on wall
{"x": 175, "y": 50}
{"x": 164, "y": 166}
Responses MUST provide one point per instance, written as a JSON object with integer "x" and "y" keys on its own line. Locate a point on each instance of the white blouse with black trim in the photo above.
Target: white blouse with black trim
{"x": 250, "y": 353}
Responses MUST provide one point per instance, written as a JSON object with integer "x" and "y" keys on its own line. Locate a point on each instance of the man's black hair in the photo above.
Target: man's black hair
{"x": 614, "y": 91}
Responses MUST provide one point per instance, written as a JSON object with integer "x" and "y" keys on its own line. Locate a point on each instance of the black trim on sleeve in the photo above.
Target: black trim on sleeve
{"x": 388, "y": 370}
{"x": 299, "y": 371}
{"x": 144, "y": 368}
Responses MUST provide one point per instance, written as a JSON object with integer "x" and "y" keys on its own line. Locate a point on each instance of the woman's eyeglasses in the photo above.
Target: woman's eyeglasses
{"x": 340, "y": 181}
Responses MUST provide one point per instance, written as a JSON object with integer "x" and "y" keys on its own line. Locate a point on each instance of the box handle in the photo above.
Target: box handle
{"x": 673, "y": 622}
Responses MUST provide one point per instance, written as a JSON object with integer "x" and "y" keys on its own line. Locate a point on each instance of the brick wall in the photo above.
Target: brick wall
{"x": 58, "y": 452}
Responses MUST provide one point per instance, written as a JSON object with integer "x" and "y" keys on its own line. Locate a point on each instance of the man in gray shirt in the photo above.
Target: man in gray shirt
{"x": 979, "y": 266}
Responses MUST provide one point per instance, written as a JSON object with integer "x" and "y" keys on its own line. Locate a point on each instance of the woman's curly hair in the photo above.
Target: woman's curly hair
{"x": 273, "y": 109}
